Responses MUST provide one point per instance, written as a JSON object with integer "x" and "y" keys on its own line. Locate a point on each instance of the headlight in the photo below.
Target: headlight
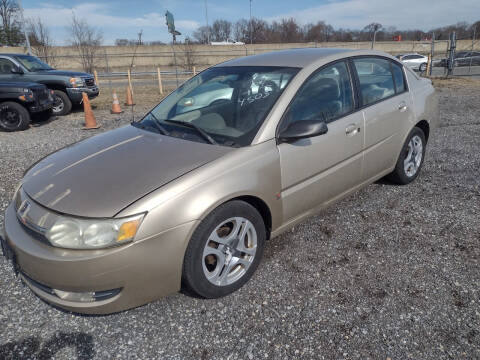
{"x": 19, "y": 185}
{"x": 76, "y": 82}
{"x": 28, "y": 95}
{"x": 74, "y": 233}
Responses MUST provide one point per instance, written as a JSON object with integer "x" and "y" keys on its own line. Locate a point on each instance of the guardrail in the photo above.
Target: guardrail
{"x": 144, "y": 73}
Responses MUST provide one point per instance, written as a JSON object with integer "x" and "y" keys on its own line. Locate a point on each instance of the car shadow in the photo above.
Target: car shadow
{"x": 32, "y": 347}
{"x": 42, "y": 119}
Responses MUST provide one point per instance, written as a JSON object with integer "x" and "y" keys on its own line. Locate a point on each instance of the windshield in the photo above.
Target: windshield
{"x": 229, "y": 104}
{"x": 32, "y": 63}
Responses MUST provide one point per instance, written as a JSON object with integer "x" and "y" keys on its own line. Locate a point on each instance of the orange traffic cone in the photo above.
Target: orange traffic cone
{"x": 116, "y": 109}
{"x": 90, "y": 122}
{"x": 129, "y": 101}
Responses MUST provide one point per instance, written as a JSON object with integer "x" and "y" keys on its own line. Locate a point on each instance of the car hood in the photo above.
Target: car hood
{"x": 102, "y": 175}
{"x": 64, "y": 73}
{"x": 20, "y": 84}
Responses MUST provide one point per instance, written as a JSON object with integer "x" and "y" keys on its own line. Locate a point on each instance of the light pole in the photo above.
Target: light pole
{"x": 206, "y": 18}
{"x": 251, "y": 38}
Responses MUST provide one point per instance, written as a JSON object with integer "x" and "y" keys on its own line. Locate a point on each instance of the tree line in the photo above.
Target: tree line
{"x": 289, "y": 30}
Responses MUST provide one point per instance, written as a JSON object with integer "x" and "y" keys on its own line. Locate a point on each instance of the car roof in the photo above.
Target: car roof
{"x": 299, "y": 58}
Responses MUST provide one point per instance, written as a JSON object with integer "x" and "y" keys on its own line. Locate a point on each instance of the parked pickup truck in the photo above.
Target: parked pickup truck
{"x": 66, "y": 85}
{"x": 20, "y": 99}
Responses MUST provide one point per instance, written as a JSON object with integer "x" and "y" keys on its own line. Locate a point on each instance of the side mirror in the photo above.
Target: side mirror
{"x": 17, "y": 70}
{"x": 303, "y": 129}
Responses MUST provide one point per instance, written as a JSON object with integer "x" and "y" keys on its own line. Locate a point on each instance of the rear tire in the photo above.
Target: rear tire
{"x": 62, "y": 105}
{"x": 411, "y": 158}
{"x": 224, "y": 250}
{"x": 13, "y": 116}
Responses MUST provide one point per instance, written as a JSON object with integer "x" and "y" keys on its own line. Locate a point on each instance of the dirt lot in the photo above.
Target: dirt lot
{"x": 390, "y": 272}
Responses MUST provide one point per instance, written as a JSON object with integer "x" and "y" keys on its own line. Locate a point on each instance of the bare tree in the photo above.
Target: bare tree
{"x": 10, "y": 33}
{"x": 201, "y": 34}
{"x": 373, "y": 28}
{"x": 221, "y": 30}
{"x": 188, "y": 55}
{"x": 41, "y": 41}
{"x": 260, "y": 29}
{"x": 86, "y": 40}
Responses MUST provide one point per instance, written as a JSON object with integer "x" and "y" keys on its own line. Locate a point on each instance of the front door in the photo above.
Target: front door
{"x": 6, "y": 67}
{"x": 319, "y": 169}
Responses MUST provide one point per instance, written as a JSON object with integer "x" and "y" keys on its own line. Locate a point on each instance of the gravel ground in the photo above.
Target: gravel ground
{"x": 390, "y": 272}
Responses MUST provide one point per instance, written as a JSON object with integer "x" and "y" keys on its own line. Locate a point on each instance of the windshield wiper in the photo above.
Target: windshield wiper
{"x": 195, "y": 127}
{"x": 157, "y": 124}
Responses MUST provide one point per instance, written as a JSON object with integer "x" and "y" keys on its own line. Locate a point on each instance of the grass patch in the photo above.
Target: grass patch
{"x": 455, "y": 82}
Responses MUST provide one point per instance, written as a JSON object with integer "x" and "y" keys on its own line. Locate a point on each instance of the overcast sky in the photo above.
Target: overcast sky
{"x": 125, "y": 18}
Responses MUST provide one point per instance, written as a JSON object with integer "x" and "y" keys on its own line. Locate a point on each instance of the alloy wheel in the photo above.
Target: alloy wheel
{"x": 58, "y": 104}
{"x": 229, "y": 251}
{"x": 413, "y": 157}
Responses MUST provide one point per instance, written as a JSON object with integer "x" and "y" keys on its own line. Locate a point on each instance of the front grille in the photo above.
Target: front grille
{"x": 89, "y": 82}
{"x": 41, "y": 94}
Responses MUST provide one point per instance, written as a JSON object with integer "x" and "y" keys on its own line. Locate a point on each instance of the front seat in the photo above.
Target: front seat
{"x": 320, "y": 101}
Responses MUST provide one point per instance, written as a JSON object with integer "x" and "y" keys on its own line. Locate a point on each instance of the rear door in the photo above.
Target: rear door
{"x": 387, "y": 108}
{"x": 319, "y": 169}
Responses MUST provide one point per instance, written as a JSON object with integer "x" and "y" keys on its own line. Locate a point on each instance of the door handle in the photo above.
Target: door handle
{"x": 352, "y": 129}
{"x": 402, "y": 106}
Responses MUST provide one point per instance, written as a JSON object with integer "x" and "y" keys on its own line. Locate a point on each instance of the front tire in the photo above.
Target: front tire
{"x": 62, "y": 105}
{"x": 411, "y": 158}
{"x": 13, "y": 116}
{"x": 224, "y": 250}
{"x": 423, "y": 67}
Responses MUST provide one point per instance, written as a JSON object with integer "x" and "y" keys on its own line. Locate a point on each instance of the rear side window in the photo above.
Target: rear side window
{"x": 398, "y": 77}
{"x": 376, "y": 80}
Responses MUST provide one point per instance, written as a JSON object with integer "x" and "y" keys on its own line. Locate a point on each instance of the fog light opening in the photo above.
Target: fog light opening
{"x": 75, "y": 296}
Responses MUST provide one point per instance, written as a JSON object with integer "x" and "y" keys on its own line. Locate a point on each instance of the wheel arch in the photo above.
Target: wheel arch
{"x": 57, "y": 86}
{"x": 425, "y": 127}
{"x": 261, "y": 206}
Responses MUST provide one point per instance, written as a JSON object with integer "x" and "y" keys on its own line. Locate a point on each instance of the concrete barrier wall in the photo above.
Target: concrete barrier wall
{"x": 150, "y": 57}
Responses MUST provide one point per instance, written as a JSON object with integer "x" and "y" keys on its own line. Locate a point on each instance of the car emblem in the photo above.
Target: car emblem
{"x": 23, "y": 211}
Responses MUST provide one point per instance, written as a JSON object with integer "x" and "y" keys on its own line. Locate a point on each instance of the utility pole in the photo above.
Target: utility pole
{"x": 206, "y": 18}
{"x": 27, "y": 40}
{"x": 432, "y": 52}
{"x": 451, "y": 55}
{"x": 140, "y": 37}
{"x": 473, "y": 44}
{"x": 251, "y": 38}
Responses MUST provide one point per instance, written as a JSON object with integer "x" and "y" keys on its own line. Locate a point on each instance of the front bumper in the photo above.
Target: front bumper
{"x": 75, "y": 94}
{"x": 144, "y": 270}
{"x": 39, "y": 107}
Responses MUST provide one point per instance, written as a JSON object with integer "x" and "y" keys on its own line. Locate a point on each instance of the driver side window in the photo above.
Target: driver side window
{"x": 325, "y": 96}
{"x": 6, "y": 66}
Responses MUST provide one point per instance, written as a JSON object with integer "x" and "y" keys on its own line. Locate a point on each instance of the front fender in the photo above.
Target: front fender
{"x": 249, "y": 171}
